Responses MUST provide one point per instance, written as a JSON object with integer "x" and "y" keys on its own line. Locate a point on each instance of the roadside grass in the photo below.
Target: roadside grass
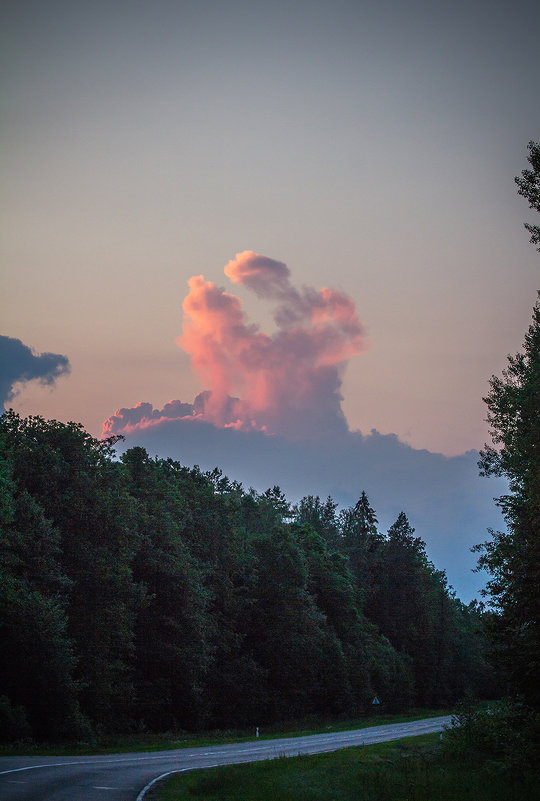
{"x": 412, "y": 769}
{"x": 145, "y": 741}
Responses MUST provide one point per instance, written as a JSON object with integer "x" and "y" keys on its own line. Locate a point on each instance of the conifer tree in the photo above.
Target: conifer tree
{"x": 513, "y": 557}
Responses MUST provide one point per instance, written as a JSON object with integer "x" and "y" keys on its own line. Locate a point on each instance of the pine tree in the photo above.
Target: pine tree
{"x": 513, "y": 557}
{"x": 529, "y": 187}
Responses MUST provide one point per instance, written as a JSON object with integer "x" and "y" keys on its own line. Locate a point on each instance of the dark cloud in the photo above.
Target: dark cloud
{"x": 19, "y": 363}
{"x": 447, "y": 502}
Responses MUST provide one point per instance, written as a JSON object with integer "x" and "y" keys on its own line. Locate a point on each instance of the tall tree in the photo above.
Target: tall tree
{"x": 529, "y": 187}
{"x": 287, "y": 633}
{"x": 513, "y": 557}
{"x": 36, "y": 662}
{"x": 81, "y": 491}
{"x": 141, "y": 591}
{"x": 413, "y": 606}
{"x": 171, "y": 624}
{"x": 320, "y": 515}
{"x": 360, "y": 541}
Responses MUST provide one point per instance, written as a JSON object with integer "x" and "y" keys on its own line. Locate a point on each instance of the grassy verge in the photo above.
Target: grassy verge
{"x": 171, "y": 740}
{"x": 404, "y": 770}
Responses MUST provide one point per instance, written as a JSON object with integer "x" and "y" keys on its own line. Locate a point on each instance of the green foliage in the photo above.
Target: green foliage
{"x": 13, "y": 723}
{"x": 139, "y": 595}
{"x": 529, "y": 187}
{"x": 437, "y": 640}
{"x": 319, "y": 516}
{"x": 513, "y": 557}
{"x": 170, "y": 626}
{"x": 504, "y": 736}
{"x": 37, "y": 667}
{"x": 406, "y": 770}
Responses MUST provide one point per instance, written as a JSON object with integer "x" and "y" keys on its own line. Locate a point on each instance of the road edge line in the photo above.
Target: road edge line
{"x": 144, "y": 790}
{"x": 151, "y": 784}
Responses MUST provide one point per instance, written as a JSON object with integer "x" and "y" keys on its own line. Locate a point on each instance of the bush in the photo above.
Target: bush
{"x": 13, "y": 722}
{"x": 506, "y": 735}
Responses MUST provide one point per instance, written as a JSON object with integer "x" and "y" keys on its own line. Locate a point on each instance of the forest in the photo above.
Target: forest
{"x": 138, "y": 594}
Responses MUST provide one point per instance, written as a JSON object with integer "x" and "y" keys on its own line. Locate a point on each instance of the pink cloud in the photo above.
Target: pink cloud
{"x": 263, "y": 275}
{"x": 285, "y": 383}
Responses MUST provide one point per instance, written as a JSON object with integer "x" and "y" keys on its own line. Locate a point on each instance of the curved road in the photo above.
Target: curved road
{"x": 122, "y": 777}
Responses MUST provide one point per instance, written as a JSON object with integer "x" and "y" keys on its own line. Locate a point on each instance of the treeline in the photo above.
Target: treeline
{"x": 139, "y": 594}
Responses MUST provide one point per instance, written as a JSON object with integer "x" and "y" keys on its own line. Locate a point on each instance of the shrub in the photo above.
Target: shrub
{"x": 504, "y": 735}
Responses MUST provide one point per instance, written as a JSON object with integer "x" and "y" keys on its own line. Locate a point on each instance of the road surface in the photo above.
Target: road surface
{"x": 123, "y": 777}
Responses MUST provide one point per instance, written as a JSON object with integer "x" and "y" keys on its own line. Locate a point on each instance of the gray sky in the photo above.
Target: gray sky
{"x": 371, "y": 146}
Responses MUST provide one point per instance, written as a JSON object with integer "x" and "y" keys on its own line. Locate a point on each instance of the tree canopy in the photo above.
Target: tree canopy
{"x": 136, "y": 593}
{"x": 529, "y": 187}
{"x": 513, "y": 557}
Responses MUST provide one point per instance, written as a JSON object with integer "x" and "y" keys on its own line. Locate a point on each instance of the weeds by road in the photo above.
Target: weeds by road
{"x": 414, "y": 769}
{"x": 145, "y": 741}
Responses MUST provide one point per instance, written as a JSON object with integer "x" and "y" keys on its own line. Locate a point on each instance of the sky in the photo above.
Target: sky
{"x": 354, "y": 162}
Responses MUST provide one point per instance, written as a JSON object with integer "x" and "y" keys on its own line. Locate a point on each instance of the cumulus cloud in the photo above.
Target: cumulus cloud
{"x": 19, "y": 364}
{"x": 287, "y": 382}
{"x": 143, "y": 415}
{"x": 271, "y": 414}
{"x": 259, "y": 273}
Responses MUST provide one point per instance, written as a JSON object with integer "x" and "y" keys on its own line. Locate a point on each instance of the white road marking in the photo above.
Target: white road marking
{"x": 265, "y": 749}
{"x": 164, "y": 776}
{"x": 164, "y": 756}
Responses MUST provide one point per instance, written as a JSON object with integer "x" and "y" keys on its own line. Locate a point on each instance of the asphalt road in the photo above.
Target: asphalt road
{"x": 123, "y": 777}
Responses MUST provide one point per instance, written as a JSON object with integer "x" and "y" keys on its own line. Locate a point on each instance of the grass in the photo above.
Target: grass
{"x": 112, "y": 744}
{"x": 404, "y": 770}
